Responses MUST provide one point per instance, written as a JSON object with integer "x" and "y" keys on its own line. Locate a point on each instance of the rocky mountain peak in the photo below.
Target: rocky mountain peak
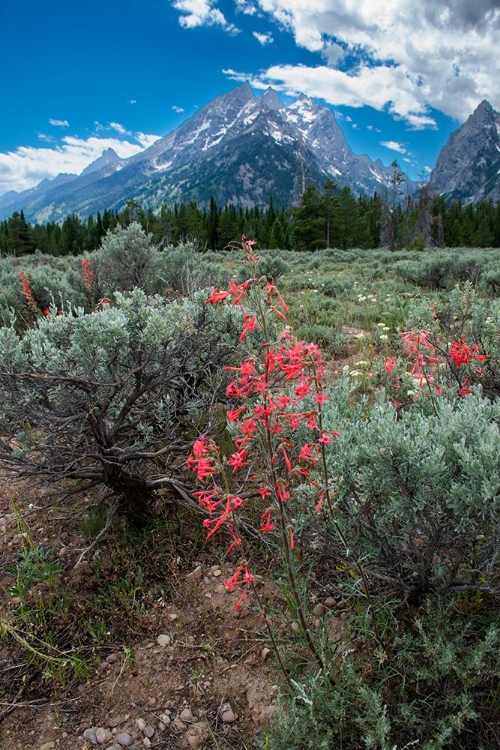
{"x": 271, "y": 99}
{"x": 108, "y": 156}
{"x": 468, "y": 165}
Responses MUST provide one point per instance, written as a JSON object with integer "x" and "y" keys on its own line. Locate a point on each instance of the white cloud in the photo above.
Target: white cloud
{"x": 246, "y": 7}
{"x": 202, "y": 13}
{"x": 133, "y": 101}
{"x": 394, "y": 146}
{"x": 263, "y": 38}
{"x": 146, "y": 140}
{"x": 408, "y": 55}
{"x": 178, "y": 109}
{"x": 119, "y": 128}
{"x": 27, "y": 166}
{"x": 59, "y": 123}
{"x": 364, "y": 86}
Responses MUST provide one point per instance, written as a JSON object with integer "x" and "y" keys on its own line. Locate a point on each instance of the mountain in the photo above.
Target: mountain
{"x": 14, "y": 201}
{"x": 240, "y": 148}
{"x": 108, "y": 158}
{"x": 468, "y": 166}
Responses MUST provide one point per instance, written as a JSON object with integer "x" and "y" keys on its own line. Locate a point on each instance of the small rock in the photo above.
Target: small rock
{"x": 216, "y": 573}
{"x": 295, "y": 627}
{"x": 111, "y": 658}
{"x": 148, "y": 731}
{"x": 163, "y": 640}
{"x": 319, "y": 610}
{"x": 178, "y": 725}
{"x": 146, "y": 742}
{"x": 140, "y": 724}
{"x": 228, "y": 716}
{"x": 197, "y": 735}
{"x": 172, "y": 617}
{"x": 265, "y": 653}
{"x": 195, "y": 574}
{"x": 90, "y": 735}
{"x": 124, "y": 739}
{"x": 103, "y": 735}
{"x": 330, "y": 602}
{"x": 162, "y": 726}
{"x": 117, "y": 720}
{"x": 186, "y": 715}
{"x": 47, "y": 746}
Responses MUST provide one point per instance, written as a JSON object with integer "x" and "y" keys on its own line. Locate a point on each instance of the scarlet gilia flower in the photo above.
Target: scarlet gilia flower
{"x": 28, "y": 294}
{"x": 266, "y": 525}
{"x": 242, "y": 577}
{"x": 214, "y": 524}
{"x": 389, "y": 365}
{"x": 462, "y": 354}
{"x": 238, "y": 460}
{"x": 217, "y": 296}
{"x": 464, "y": 390}
{"x": 251, "y": 325}
{"x": 204, "y": 464}
{"x": 422, "y": 352}
{"x": 238, "y": 290}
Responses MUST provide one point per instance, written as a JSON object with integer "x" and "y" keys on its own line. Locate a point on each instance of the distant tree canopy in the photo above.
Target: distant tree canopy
{"x": 326, "y": 217}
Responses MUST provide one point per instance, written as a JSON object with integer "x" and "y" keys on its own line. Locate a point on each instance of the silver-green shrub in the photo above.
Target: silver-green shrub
{"x": 113, "y": 398}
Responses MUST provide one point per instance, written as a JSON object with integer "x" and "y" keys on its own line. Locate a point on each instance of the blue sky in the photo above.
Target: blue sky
{"x": 79, "y": 77}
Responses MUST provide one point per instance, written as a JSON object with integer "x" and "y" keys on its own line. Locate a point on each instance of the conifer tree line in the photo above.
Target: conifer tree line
{"x": 326, "y": 218}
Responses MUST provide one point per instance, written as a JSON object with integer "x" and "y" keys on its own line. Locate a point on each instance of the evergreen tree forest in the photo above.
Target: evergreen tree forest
{"x": 327, "y": 218}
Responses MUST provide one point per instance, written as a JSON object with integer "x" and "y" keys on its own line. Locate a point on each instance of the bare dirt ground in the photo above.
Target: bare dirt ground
{"x": 175, "y": 668}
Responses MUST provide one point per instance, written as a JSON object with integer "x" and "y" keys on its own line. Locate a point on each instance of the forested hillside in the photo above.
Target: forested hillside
{"x": 330, "y": 218}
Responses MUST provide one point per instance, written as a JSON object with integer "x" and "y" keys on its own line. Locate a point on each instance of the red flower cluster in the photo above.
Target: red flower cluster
{"x": 28, "y": 294}
{"x": 272, "y": 388}
{"x": 462, "y": 354}
{"x": 88, "y": 274}
{"x": 242, "y": 577}
{"x": 422, "y": 352}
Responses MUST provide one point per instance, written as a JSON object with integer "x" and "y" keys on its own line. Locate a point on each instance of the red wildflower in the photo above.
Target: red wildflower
{"x": 238, "y": 460}
{"x": 389, "y": 365}
{"x": 88, "y": 274}
{"x": 320, "y": 398}
{"x": 242, "y": 577}
{"x": 266, "y": 525}
{"x": 28, "y": 294}
{"x": 465, "y": 390}
{"x": 233, "y": 414}
{"x": 462, "y": 354}
{"x": 251, "y": 325}
{"x": 238, "y": 290}
{"x": 217, "y": 296}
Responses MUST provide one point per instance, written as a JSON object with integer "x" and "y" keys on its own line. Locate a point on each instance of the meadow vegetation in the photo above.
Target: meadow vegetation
{"x": 327, "y": 421}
